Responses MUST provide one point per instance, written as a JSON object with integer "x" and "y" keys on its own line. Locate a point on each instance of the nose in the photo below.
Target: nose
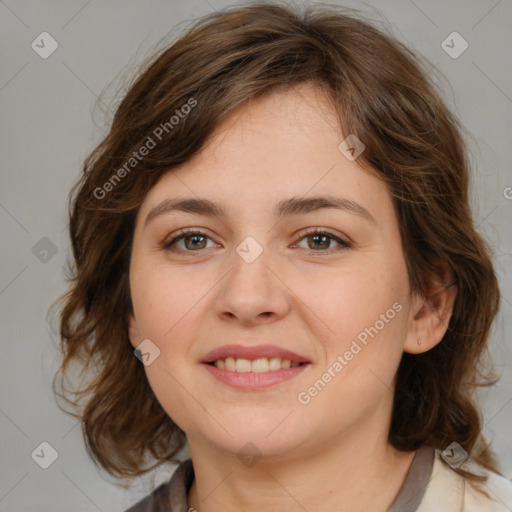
{"x": 252, "y": 292}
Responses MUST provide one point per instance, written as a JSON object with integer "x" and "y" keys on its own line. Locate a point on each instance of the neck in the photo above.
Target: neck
{"x": 355, "y": 471}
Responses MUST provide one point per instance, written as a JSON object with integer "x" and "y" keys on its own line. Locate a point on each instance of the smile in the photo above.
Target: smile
{"x": 255, "y": 375}
{"x": 260, "y": 365}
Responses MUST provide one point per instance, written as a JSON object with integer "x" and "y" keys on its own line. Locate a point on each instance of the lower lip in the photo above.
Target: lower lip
{"x": 254, "y": 381}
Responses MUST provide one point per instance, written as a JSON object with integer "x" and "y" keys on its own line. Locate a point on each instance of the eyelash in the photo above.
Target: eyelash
{"x": 184, "y": 233}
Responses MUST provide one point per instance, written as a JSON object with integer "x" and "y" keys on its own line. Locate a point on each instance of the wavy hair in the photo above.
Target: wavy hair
{"x": 381, "y": 92}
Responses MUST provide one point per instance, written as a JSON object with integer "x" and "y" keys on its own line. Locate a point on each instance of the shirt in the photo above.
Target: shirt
{"x": 430, "y": 486}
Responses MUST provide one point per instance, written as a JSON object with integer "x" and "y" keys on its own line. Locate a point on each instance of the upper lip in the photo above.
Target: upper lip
{"x": 253, "y": 352}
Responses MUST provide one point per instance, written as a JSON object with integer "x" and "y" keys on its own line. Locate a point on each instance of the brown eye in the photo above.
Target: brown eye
{"x": 321, "y": 242}
{"x": 193, "y": 240}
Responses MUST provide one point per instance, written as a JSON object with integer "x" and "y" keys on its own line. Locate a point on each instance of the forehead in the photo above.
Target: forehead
{"x": 284, "y": 144}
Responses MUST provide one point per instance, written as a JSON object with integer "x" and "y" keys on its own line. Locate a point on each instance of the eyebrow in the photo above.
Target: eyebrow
{"x": 285, "y": 208}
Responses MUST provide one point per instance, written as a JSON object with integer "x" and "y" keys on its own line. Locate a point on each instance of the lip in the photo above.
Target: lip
{"x": 253, "y": 352}
{"x": 254, "y": 381}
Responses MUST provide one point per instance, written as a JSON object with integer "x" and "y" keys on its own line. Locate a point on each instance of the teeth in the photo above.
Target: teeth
{"x": 275, "y": 363}
{"x": 243, "y": 365}
{"x": 260, "y": 365}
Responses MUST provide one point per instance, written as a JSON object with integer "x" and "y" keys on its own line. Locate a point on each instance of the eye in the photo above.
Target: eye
{"x": 193, "y": 239}
{"x": 322, "y": 240}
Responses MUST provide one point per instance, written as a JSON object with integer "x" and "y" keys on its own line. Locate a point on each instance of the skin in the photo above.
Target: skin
{"x": 332, "y": 453}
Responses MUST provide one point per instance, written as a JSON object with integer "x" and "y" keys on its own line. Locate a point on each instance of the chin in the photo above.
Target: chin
{"x": 271, "y": 436}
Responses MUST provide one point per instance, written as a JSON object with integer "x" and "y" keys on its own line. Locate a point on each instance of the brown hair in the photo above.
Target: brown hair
{"x": 381, "y": 92}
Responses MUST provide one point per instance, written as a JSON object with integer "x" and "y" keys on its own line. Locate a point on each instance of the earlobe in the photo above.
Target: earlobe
{"x": 133, "y": 332}
{"x": 431, "y": 317}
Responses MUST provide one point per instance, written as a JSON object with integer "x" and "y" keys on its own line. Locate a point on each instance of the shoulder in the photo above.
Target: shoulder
{"x": 449, "y": 491}
{"x": 497, "y": 487}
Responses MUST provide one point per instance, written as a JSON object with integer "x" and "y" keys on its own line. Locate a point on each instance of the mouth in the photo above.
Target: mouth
{"x": 255, "y": 358}
{"x": 259, "y": 365}
{"x": 254, "y": 380}
{"x": 253, "y": 367}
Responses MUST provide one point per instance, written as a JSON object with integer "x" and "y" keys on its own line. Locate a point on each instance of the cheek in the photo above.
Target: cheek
{"x": 167, "y": 306}
{"x": 359, "y": 322}
{"x": 165, "y": 300}
{"x": 348, "y": 301}
{"x": 361, "y": 352}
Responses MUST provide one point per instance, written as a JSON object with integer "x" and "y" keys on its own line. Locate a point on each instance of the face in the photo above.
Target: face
{"x": 262, "y": 282}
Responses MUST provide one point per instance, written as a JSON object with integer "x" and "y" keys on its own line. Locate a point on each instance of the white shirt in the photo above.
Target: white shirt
{"x": 447, "y": 491}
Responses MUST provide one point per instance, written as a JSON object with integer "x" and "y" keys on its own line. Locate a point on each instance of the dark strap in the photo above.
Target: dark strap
{"x": 418, "y": 477}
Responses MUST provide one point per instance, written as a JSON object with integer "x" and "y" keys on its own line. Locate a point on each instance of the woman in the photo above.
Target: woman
{"x": 277, "y": 226}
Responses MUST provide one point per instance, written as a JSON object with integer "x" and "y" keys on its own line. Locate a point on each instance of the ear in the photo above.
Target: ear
{"x": 431, "y": 315}
{"x": 133, "y": 331}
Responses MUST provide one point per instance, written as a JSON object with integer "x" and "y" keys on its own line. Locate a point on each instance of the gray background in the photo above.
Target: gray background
{"x": 49, "y": 123}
